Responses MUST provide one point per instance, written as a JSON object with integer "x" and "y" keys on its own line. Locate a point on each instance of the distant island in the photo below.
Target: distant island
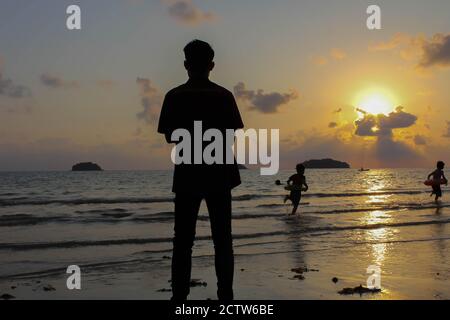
{"x": 326, "y": 164}
{"x": 86, "y": 166}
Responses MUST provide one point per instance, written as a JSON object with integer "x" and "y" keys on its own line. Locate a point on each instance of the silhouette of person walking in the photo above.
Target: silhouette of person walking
{"x": 199, "y": 99}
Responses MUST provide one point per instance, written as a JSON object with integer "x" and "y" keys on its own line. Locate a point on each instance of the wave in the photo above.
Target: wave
{"x": 118, "y": 215}
{"x": 21, "y": 201}
{"x": 142, "y": 241}
{"x": 27, "y": 219}
{"x": 41, "y": 202}
{"x": 389, "y": 207}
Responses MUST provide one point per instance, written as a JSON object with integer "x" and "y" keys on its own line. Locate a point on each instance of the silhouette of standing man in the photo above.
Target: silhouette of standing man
{"x": 199, "y": 99}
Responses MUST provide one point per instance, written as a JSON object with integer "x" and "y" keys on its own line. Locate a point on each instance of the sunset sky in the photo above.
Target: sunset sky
{"x": 95, "y": 94}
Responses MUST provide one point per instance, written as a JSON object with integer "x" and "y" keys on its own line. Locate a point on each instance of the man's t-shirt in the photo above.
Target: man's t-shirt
{"x": 215, "y": 106}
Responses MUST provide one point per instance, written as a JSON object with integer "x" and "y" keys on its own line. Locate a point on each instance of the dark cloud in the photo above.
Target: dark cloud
{"x": 382, "y": 125}
{"x": 11, "y": 90}
{"x": 332, "y": 124}
{"x": 436, "y": 51}
{"x": 386, "y": 150}
{"x": 427, "y": 52}
{"x": 56, "y": 82}
{"x": 151, "y": 100}
{"x": 186, "y": 12}
{"x": 396, "y": 154}
{"x": 263, "y": 102}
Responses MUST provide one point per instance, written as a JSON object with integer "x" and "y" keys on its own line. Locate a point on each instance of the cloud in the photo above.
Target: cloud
{"x": 151, "y": 100}
{"x": 184, "y": 11}
{"x": 420, "y": 140}
{"x": 380, "y": 153}
{"x": 426, "y": 52}
{"x": 382, "y": 125}
{"x": 396, "y": 153}
{"x": 335, "y": 54}
{"x": 263, "y": 102}
{"x": 338, "y": 54}
{"x": 332, "y": 124}
{"x": 11, "y": 90}
{"x": 397, "y": 40}
{"x": 56, "y": 82}
{"x": 436, "y": 52}
{"x": 386, "y": 150}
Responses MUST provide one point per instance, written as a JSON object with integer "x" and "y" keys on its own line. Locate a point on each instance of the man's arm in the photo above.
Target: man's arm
{"x": 430, "y": 175}
{"x": 289, "y": 180}
{"x": 305, "y": 184}
{"x": 165, "y": 124}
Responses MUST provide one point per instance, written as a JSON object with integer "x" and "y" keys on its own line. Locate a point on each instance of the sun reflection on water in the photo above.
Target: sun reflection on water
{"x": 378, "y": 236}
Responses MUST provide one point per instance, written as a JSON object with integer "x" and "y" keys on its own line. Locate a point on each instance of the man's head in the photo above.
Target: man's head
{"x": 199, "y": 58}
{"x": 440, "y": 165}
{"x": 300, "y": 168}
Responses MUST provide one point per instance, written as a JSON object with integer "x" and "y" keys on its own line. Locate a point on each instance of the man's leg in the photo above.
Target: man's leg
{"x": 219, "y": 208}
{"x": 186, "y": 212}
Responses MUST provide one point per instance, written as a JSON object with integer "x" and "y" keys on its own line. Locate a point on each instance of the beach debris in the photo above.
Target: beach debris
{"x": 303, "y": 269}
{"x": 166, "y": 257}
{"x": 242, "y": 269}
{"x": 13, "y": 287}
{"x": 335, "y": 280}
{"x": 49, "y": 287}
{"x": 299, "y": 277}
{"x": 7, "y": 296}
{"x": 300, "y": 271}
{"x": 164, "y": 290}
{"x": 197, "y": 283}
{"x": 359, "y": 290}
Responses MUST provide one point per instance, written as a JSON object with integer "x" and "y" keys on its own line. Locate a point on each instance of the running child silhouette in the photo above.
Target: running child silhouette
{"x": 297, "y": 184}
{"x": 437, "y": 175}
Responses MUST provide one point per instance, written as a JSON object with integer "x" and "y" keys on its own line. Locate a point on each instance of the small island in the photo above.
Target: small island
{"x": 326, "y": 164}
{"x": 86, "y": 166}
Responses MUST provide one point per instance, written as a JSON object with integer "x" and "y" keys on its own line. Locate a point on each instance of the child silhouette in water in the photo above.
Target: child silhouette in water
{"x": 296, "y": 183}
{"x": 437, "y": 175}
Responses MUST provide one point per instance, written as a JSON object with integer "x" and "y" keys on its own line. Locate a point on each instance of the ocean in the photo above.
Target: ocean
{"x": 114, "y": 223}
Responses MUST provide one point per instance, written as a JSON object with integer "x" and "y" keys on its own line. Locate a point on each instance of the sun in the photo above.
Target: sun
{"x": 376, "y": 101}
